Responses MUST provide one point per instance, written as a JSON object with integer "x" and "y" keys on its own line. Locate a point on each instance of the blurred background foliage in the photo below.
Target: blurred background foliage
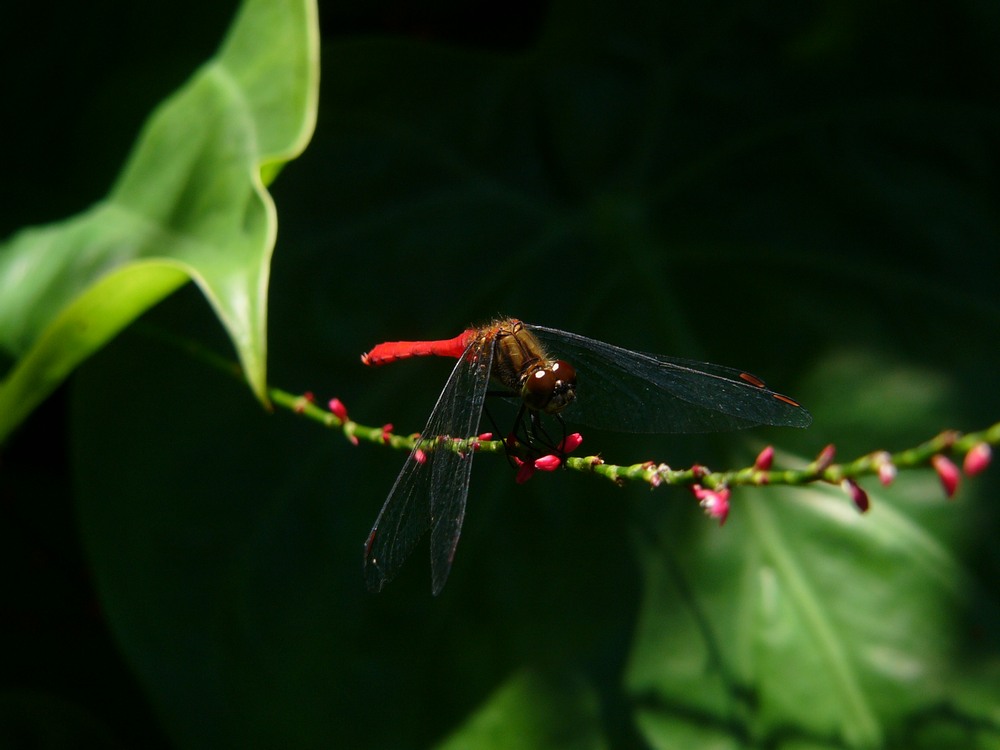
{"x": 807, "y": 191}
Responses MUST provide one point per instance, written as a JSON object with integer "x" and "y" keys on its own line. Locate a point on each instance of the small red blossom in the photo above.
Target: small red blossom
{"x": 525, "y": 470}
{"x": 420, "y": 456}
{"x": 570, "y": 443}
{"x": 948, "y": 474}
{"x": 486, "y": 436}
{"x": 764, "y": 459}
{"x": 858, "y": 496}
{"x": 338, "y": 409}
{"x": 551, "y": 462}
{"x": 715, "y": 502}
{"x": 977, "y": 459}
{"x": 386, "y": 432}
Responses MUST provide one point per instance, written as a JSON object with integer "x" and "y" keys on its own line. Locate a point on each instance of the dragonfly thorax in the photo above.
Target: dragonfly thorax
{"x": 522, "y": 366}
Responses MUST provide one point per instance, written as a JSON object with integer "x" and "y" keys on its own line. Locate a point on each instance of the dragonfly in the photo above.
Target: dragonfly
{"x": 554, "y": 373}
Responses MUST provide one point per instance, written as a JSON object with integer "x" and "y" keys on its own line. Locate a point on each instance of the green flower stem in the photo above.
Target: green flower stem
{"x": 822, "y": 469}
{"x": 920, "y": 456}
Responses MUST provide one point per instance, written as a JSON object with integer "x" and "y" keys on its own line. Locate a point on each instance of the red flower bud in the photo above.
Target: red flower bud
{"x": 525, "y": 470}
{"x": 338, "y": 409}
{"x": 858, "y": 496}
{"x": 977, "y": 459}
{"x": 764, "y": 459}
{"x": 570, "y": 443}
{"x": 550, "y": 462}
{"x": 948, "y": 474}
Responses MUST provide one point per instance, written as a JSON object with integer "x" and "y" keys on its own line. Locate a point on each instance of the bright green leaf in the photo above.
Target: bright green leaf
{"x": 191, "y": 204}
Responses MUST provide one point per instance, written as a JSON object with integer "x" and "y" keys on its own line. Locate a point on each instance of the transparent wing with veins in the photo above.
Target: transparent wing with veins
{"x": 618, "y": 389}
{"x": 431, "y": 490}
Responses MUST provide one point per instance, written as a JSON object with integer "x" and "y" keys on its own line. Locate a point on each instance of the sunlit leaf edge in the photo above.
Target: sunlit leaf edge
{"x": 242, "y": 309}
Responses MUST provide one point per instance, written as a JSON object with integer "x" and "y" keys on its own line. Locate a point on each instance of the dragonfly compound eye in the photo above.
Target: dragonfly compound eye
{"x": 550, "y": 387}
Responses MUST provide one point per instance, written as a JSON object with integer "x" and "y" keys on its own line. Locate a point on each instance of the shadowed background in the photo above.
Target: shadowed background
{"x": 809, "y": 193}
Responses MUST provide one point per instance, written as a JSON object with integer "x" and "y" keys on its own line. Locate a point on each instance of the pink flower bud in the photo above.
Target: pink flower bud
{"x": 886, "y": 468}
{"x": 698, "y": 471}
{"x": 550, "y": 462}
{"x": 947, "y": 472}
{"x": 525, "y": 470}
{"x": 764, "y": 459}
{"x": 887, "y": 474}
{"x": 858, "y": 496}
{"x": 570, "y": 443}
{"x": 338, "y": 409}
{"x": 977, "y": 459}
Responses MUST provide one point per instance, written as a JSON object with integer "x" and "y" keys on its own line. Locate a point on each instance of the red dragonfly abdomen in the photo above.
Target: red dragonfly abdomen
{"x": 390, "y": 351}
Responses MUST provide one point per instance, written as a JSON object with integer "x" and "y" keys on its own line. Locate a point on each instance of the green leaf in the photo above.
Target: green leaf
{"x": 534, "y": 710}
{"x": 660, "y": 175}
{"x": 190, "y": 204}
{"x": 812, "y": 625}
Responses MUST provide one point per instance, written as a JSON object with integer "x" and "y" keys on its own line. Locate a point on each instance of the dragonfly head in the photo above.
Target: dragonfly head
{"x": 550, "y": 386}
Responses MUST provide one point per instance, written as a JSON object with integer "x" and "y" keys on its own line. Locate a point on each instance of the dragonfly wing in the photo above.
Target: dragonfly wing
{"x": 618, "y": 389}
{"x": 431, "y": 490}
